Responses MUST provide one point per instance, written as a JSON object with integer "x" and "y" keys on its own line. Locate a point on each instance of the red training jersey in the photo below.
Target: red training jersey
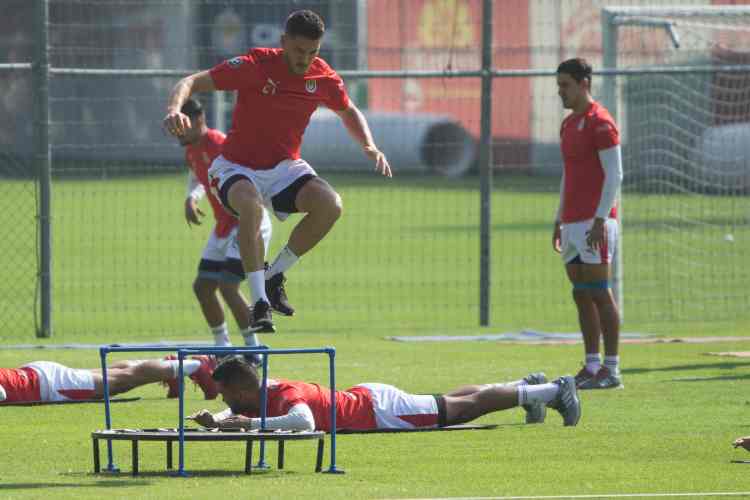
{"x": 582, "y": 136}
{"x": 273, "y": 105}
{"x": 199, "y": 158}
{"x": 354, "y": 408}
{"x": 20, "y": 384}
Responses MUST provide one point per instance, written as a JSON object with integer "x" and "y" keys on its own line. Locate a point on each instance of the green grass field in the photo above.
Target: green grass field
{"x": 404, "y": 259}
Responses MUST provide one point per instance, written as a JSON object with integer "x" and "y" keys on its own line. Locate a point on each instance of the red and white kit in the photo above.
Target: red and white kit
{"x": 46, "y": 381}
{"x": 365, "y": 406}
{"x": 272, "y": 112}
{"x": 582, "y": 137}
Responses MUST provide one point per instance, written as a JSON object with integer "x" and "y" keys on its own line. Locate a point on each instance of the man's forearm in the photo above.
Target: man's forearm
{"x": 356, "y": 125}
{"x": 180, "y": 93}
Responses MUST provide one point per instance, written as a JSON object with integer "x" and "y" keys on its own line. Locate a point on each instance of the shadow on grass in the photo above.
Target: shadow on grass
{"x": 205, "y": 473}
{"x": 726, "y": 365}
{"x": 711, "y": 379}
{"x": 107, "y": 483}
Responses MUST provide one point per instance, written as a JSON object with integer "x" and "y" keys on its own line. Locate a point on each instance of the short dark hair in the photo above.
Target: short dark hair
{"x": 578, "y": 68}
{"x": 305, "y": 23}
{"x": 236, "y": 372}
{"x": 192, "y": 108}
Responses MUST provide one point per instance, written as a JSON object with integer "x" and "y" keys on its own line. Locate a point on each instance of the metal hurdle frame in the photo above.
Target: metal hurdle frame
{"x": 182, "y": 353}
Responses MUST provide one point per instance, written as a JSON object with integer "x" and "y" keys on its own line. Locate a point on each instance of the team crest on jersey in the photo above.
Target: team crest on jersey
{"x": 234, "y": 62}
{"x": 311, "y": 86}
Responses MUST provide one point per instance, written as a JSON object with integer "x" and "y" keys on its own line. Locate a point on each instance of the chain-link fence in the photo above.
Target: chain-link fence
{"x": 408, "y": 252}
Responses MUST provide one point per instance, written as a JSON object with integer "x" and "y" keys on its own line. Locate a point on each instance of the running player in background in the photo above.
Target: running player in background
{"x": 586, "y": 228}
{"x": 294, "y": 405}
{"x": 45, "y": 381}
{"x": 260, "y": 164}
{"x": 220, "y": 267}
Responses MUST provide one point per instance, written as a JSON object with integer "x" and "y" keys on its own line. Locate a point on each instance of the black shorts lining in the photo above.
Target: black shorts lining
{"x": 285, "y": 200}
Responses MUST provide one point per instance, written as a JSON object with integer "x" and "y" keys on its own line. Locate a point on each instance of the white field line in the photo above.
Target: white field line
{"x": 601, "y": 495}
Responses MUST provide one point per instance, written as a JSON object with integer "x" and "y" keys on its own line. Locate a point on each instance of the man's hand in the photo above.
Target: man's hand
{"x": 381, "y": 162}
{"x": 742, "y": 442}
{"x": 176, "y": 123}
{"x": 596, "y": 237}
{"x": 204, "y": 418}
{"x": 556, "y": 236}
{"x": 235, "y": 422}
{"x": 193, "y": 214}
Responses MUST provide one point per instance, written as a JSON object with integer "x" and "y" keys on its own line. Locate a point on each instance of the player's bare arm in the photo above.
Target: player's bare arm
{"x": 193, "y": 213}
{"x": 176, "y": 122}
{"x": 556, "y": 235}
{"x": 356, "y": 124}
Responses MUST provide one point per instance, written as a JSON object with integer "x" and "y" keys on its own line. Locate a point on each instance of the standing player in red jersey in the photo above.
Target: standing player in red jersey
{"x": 586, "y": 228}
{"x": 220, "y": 266}
{"x": 278, "y": 91}
{"x": 294, "y": 405}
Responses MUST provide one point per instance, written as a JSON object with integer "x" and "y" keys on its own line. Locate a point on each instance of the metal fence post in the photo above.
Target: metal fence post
{"x": 43, "y": 165}
{"x": 485, "y": 168}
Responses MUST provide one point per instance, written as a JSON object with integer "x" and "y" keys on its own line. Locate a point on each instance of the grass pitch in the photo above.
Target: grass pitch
{"x": 403, "y": 260}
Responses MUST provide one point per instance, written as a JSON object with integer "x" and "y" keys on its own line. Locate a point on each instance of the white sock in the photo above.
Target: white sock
{"x": 251, "y": 339}
{"x": 533, "y": 393}
{"x": 189, "y": 366}
{"x": 221, "y": 335}
{"x": 257, "y": 282}
{"x": 613, "y": 364}
{"x": 2, "y": 393}
{"x": 593, "y": 363}
{"x": 284, "y": 261}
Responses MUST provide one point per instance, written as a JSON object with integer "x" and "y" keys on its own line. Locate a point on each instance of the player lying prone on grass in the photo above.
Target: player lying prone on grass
{"x": 45, "y": 381}
{"x": 294, "y": 405}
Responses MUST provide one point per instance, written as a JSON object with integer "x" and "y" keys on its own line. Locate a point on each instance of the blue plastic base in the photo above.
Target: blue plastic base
{"x": 178, "y": 473}
{"x": 262, "y": 465}
{"x": 111, "y": 469}
{"x": 333, "y": 470}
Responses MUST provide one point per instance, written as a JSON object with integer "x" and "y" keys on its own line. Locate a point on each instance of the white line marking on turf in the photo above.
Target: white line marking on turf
{"x": 603, "y": 495}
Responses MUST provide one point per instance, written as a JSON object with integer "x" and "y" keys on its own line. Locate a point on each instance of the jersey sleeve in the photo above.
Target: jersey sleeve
{"x": 235, "y": 73}
{"x": 337, "y": 98}
{"x": 606, "y": 134}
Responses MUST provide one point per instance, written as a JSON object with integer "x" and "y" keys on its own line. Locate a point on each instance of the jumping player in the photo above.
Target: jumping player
{"x": 586, "y": 228}
{"x": 260, "y": 164}
{"x": 294, "y": 405}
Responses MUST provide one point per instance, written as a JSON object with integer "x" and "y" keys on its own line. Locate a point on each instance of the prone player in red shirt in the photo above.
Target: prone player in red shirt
{"x": 49, "y": 382}
{"x": 295, "y": 405}
{"x": 277, "y": 92}
{"x": 220, "y": 267}
{"x": 586, "y": 228}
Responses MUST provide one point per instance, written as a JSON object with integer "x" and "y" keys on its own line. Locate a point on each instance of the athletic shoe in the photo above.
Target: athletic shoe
{"x": 262, "y": 321}
{"x": 583, "y": 376}
{"x": 535, "y": 412}
{"x": 277, "y": 294}
{"x": 202, "y": 376}
{"x": 566, "y": 402}
{"x": 604, "y": 379}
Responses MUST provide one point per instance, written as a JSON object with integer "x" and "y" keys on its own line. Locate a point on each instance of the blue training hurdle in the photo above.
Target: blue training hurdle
{"x": 182, "y": 353}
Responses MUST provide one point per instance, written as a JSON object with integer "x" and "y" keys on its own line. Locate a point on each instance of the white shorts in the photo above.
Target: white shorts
{"x": 573, "y": 242}
{"x": 60, "y": 383}
{"x": 269, "y": 183}
{"x": 221, "y": 259}
{"x": 396, "y": 409}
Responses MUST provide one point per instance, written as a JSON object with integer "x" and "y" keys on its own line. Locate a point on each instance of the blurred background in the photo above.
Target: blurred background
{"x": 91, "y": 194}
